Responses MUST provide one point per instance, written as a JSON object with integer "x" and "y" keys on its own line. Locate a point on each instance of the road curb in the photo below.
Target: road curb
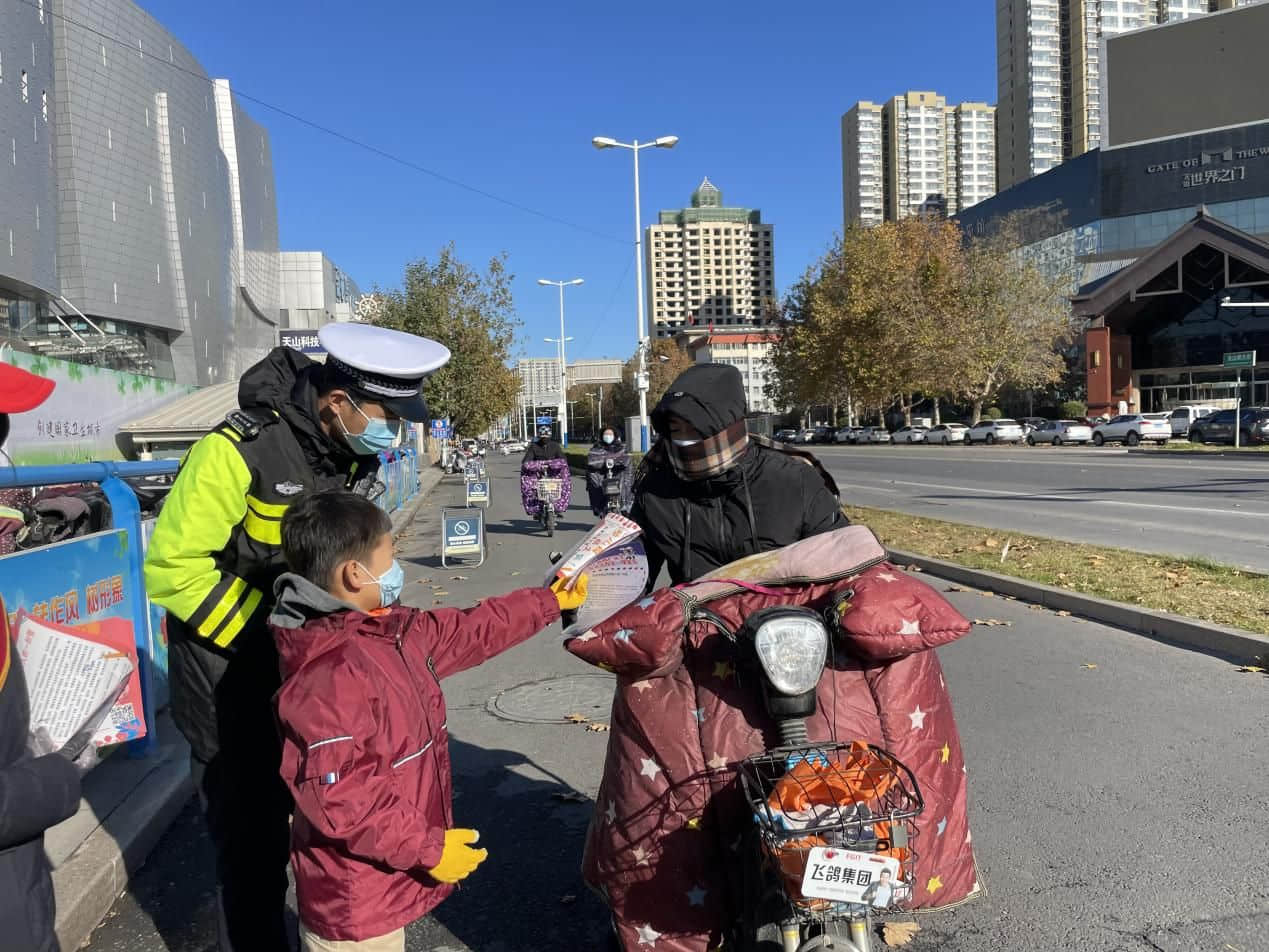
{"x": 87, "y": 884}
{"x": 1211, "y": 638}
{"x": 429, "y": 479}
{"x": 1200, "y": 454}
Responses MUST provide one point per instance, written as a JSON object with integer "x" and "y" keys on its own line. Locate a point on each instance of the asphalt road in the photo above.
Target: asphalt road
{"x": 1215, "y": 507}
{"x": 1115, "y": 808}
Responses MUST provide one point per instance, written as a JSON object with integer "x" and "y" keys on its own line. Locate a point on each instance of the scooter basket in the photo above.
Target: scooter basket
{"x": 844, "y": 801}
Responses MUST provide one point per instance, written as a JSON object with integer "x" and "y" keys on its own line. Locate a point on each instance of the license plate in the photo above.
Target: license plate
{"x": 847, "y": 876}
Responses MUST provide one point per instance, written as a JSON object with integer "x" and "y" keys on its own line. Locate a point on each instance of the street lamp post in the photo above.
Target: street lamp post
{"x": 561, "y": 410}
{"x": 641, "y": 323}
{"x": 563, "y": 383}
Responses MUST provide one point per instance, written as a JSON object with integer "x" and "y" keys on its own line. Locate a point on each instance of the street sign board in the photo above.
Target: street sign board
{"x": 545, "y": 420}
{"x": 462, "y": 534}
{"x": 478, "y": 492}
{"x": 1240, "y": 358}
{"x": 301, "y": 339}
{"x": 440, "y": 430}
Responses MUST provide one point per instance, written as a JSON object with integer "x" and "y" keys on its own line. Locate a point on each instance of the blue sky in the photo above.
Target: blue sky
{"x": 506, "y": 97}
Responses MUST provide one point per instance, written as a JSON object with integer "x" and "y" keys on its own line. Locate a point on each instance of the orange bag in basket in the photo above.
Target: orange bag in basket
{"x": 860, "y": 777}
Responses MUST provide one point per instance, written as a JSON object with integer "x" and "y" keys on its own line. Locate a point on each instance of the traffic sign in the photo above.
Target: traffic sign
{"x": 1240, "y": 358}
{"x": 440, "y": 430}
{"x": 546, "y": 420}
{"x": 477, "y": 492}
{"x": 462, "y": 534}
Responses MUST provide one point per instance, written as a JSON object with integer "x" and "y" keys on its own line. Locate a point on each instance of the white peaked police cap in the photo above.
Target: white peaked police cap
{"x": 385, "y": 365}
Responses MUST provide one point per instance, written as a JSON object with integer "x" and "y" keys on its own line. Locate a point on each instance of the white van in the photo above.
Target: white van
{"x": 1181, "y": 418}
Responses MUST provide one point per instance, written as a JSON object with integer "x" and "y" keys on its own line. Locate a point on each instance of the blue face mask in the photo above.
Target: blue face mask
{"x": 378, "y": 436}
{"x": 609, "y": 438}
{"x": 390, "y": 584}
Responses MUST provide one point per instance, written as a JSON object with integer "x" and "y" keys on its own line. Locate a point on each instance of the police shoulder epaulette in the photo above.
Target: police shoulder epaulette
{"x": 247, "y": 424}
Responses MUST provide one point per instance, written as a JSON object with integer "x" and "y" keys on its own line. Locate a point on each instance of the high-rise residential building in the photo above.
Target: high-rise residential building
{"x": 746, "y": 349}
{"x": 915, "y": 155}
{"x": 708, "y": 264}
{"x": 1049, "y": 64}
{"x": 862, "y": 170}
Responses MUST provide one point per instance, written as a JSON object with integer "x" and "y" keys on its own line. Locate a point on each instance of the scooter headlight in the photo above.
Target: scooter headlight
{"x": 791, "y": 644}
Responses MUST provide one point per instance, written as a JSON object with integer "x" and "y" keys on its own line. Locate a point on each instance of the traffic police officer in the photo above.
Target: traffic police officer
{"x": 302, "y": 427}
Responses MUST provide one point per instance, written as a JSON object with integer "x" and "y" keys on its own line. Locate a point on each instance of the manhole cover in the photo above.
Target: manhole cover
{"x": 550, "y": 701}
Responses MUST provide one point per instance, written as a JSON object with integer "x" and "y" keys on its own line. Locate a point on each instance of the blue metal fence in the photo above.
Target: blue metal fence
{"x": 75, "y": 595}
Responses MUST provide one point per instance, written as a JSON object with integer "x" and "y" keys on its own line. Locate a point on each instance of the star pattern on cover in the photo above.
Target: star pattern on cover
{"x": 623, "y": 635}
{"x": 699, "y": 714}
{"x": 647, "y": 603}
{"x": 934, "y": 885}
{"x": 945, "y": 754}
{"x": 918, "y": 718}
{"x": 696, "y": 896}
{"x": 694, "y": 823}
{"x": 640, "y": 856}
{"x": 887, "y": 577}
{"x": 648, "y": 935}
{"x": 586, "y": 636}
{"x": 717, "y": 762}
{"x": 723, "y": 670}
{"x": 650, "y": 768}
{"x": 611, "y": 812}
{"x": 642, "y": 686}
{"x": 910, "y": 627}
{"x": 942, "y": 825}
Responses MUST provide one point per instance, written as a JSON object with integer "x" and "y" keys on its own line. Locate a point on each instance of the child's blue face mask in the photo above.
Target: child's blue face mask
{"x": 390, "y": 583}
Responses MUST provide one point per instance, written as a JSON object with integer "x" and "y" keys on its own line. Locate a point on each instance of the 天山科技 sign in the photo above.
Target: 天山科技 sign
{"x": 301, "y": 339}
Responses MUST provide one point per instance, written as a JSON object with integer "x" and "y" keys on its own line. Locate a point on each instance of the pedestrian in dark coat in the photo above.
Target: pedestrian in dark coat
{"x": 710, "y": 494}
{"x": 36, "y": 792}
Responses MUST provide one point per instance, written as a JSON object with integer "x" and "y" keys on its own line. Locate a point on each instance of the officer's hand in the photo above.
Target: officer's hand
{"x": 574, "y": 598}
{"x": 458, "y": 859}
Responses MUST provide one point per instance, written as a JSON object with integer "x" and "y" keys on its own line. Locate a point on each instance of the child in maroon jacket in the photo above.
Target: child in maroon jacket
{"x": 365, "y": 749}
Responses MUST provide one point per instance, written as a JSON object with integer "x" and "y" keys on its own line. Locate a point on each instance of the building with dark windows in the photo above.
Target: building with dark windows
{"x": 1152, "y": 238}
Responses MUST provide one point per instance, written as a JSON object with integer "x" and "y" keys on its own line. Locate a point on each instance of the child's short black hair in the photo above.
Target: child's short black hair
{"x": 326, "y": 529}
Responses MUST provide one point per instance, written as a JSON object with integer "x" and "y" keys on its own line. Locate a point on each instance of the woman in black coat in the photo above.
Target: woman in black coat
{"x": 709, "y": 494}
{"x": 39, "y": 787}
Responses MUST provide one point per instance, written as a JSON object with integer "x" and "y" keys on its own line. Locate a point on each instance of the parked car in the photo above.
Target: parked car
{"x": 1032, "y": 423}
{"x": 786, "y": 436}
{"x": 823, "y": 434}
{"x": 994, "y": 431}
{"x": 843, "y": 435}
{"x": 513, "y": 446}
{"x": 910, "y": 434}
{"x": 873, "y": 434}
{"x": 1131, "y": 428}
{"x": 1058, "y": 432}
{"x": 1219, "y": 427}
{"x": 804, "y": 436}
{"x": 947, "y": 433}
{"x": 1182, "y": 418}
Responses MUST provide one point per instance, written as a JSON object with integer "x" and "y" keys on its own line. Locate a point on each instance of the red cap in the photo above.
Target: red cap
{"x": 21, "y": 391}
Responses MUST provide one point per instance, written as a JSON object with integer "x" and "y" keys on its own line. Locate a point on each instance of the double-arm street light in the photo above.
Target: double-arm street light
{"x": 641, "y": 322}
{"x": 563, "y": 383}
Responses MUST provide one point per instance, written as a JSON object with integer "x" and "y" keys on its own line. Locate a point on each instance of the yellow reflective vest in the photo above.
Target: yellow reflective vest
{"x": 217, "y": 547}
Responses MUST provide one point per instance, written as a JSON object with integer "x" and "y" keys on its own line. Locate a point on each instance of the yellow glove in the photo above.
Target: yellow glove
{"x": 458, "y": 859}
{"x": 570, "y": 599}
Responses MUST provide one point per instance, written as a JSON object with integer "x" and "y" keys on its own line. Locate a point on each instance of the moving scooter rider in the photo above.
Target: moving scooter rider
{"x": 212, "y": 561}
{"x": 544, "y": 448}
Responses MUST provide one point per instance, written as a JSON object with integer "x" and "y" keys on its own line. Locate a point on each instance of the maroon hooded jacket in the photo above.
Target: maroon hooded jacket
{"x": 664, "y": 844}
{"x": 365, "y": 750}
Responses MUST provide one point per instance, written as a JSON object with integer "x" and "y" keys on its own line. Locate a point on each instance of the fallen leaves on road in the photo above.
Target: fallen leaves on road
{"x": 458, "y": 578}
{"x": 1088, "y": 665}
{"x": 993, "y": 623}
{"x": 953, "y": 588}
{"x": 1063, "y": 613}
{"x": 597, "y": 728}
{"x": 576, "y": 718}
{"x": 1253, "y": 669}
{"x": 439, "y": 592}
{"x": 899, "y": 933}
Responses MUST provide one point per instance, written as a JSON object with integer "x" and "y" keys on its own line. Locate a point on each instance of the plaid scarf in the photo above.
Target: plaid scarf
{"x": 712, "y": 456}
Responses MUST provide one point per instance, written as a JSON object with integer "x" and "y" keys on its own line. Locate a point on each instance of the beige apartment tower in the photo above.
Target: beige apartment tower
{"x": 915, "y": 155}
{"x": 1049, "y": 71}
{"x": 708, "y": 264}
